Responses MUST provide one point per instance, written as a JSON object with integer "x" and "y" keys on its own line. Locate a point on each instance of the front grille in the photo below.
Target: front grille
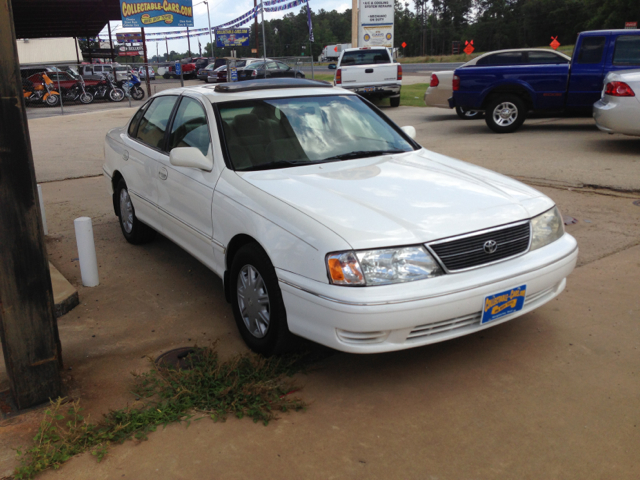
{"x": 469, "y": 251}
{"x": 444, "y": 326}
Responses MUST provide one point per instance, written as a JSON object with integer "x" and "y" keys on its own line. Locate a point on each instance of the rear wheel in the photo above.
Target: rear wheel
{"x": 505, "y": 113}
{"x": 116, "y": 95}
{"x": 137, "y": 93}
{"x": 465, "y": 114}
{"x": 257, "y": 302}
{"x": 134, "y": 231}
{"x": 395, "y": 101}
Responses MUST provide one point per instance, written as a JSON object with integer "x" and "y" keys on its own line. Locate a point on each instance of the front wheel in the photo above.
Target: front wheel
{"x": 116, "y": 95}
{"x": 257, "y": 303}
{"x": 52, "y": 100}
{"x": 86, "y": 98}
{"x": 505, "y": 113}
{"x": 137, "y": 94}
{"x": 395, "y": 101}
{"x": 134, "y": 231}
{"x": 465, "y": 114}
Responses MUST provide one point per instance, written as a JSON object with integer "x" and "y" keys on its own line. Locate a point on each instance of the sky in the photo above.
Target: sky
{"x": 222, "y": 11}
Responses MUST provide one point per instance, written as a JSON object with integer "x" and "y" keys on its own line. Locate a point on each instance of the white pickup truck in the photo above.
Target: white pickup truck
{"x": 370, "y": 72}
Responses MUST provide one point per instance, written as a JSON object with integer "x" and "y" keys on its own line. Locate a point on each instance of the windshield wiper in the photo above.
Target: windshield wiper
{"x": 281, "y": 164}
{"x": 363, "y": 154}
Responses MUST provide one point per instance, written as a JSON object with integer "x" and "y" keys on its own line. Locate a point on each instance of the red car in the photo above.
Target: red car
{"x": 65, "y": 79}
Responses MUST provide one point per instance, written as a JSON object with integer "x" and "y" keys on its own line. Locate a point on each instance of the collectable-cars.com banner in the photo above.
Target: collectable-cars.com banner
{"x": 232, "y": 37}
{"x": 165, "y": 13}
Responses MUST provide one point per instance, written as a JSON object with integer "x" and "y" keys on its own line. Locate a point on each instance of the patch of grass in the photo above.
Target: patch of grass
{"x": 408, "y": 95}
{"x": 327, "y": 77}
{"x": 246, "y": 385}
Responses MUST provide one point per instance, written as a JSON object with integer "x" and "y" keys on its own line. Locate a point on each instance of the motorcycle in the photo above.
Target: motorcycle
{"x": 44, "y": 92}
{"x": 132, "y": 87}
{"x": 106, "y": 89}
{"x": 78, "y": 92}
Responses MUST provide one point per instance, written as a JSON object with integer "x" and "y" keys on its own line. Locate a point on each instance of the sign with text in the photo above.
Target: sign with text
{"x": 232, "y": 37}
{"x": 165, "y": 13}
{"x": 630, "y": 25}
{"x": 376, "y": 23}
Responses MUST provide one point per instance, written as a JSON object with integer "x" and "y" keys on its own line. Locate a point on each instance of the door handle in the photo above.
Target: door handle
{"x": 162, "y": 173}
{"x": 369, "y": 70}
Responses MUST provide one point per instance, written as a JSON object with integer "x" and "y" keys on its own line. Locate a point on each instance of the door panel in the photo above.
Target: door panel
{"x": 587, "y": 72}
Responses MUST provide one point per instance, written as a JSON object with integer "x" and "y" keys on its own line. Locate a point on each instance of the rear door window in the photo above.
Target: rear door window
{"x": 591, "y": 50}
{"x": 153, "y": 124}
{"x": 627, "y": 50}
{"x": 504, "y": 58}
{"x": 539, "y": 58}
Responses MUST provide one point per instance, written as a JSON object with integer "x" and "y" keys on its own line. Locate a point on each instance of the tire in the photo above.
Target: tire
{"x": 395, "y": 101}
{"x": 116, "y": 95}
{"x": 166, "y": 76}
{"x": 137, "y": 94}
{"x": 86, "y": 98}
{"x": 468, "y": 114}
{"x": 257, "y": 303}
{"x": 505, "y": 113}
{"x": 134, "y": 231}
{"x": 52, "y": 100}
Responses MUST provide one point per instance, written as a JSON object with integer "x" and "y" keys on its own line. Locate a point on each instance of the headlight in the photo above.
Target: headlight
{"x": 381, "y": 267}
{"x": 546, "y": 228}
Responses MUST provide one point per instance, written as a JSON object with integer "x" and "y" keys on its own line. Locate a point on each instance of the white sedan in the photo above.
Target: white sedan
{"x": 618, "y": 111}
{"x": 327, "y": 221}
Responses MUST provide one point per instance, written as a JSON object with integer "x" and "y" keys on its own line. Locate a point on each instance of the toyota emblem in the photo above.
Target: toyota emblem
{"x": 490, "y": 246}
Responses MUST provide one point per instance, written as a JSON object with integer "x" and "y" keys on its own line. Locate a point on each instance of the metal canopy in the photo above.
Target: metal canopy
{"x": 62, "y": 18}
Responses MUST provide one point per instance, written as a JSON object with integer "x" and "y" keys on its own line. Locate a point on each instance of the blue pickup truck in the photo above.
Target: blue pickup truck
{"x": 507, "y": 92}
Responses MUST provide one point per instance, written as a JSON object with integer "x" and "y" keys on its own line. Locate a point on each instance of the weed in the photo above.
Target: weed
{"x": 245, "y": 386}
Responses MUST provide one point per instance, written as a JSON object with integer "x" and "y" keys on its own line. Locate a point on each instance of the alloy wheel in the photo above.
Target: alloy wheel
{"x": 253, "y": 301}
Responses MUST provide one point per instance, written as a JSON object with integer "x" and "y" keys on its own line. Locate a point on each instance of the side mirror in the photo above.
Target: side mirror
{"x": 332, "y": 66}
{"x": 190, "y": 157}
{"x": 411, "y": 131}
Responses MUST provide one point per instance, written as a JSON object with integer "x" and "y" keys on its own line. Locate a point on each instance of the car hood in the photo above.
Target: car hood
{"x": 401, "y": 199}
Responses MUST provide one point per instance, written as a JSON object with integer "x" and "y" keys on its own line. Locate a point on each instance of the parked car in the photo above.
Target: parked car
{"x": 370, "y": 72}
{"x": 270, "y": 69}
{"x": 508, "y": 92}
{"x": 618, "y": 111}
{"x": 64, "y": 79}
{"x": 328, "y": 221}
{"x": 204, "y": 73}
{"x": 219, "y": 75}
{"x": 94, "y": 71}
{"x": 142, "y": 73}
{"x": 441, "y": 86}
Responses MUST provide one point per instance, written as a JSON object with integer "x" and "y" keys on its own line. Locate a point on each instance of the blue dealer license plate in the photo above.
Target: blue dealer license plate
{"x": 503, "y": 303}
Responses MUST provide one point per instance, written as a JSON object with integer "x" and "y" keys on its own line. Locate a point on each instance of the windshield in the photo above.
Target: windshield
{"x": 281, "y": 133}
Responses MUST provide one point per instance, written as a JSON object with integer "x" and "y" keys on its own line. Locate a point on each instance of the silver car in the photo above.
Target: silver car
{"x": 618, "y": 111}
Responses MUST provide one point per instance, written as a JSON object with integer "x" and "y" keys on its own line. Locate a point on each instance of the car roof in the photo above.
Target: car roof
{"x": 260, "y": 89}
{"x": 473, "y": 61}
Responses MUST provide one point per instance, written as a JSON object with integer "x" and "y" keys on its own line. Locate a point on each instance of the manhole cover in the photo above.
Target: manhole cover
{"x": 179, "y": 358}
{"x": 636, "y": 203}
{"x": 569, "y": 220}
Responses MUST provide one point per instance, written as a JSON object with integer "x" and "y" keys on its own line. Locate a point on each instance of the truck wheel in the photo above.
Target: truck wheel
{"x": 395, "y": 101}
{"x": 465, "y": 114}
{"x": 505, "y": 113}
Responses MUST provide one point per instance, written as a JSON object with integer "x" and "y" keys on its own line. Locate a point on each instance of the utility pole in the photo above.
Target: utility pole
{"x": 255, "y": 24}
{"x": 167, "y": 44}
{"x": 189, "y": 43}
{"x": 264, "y": 41}
{"x": 113, "y": 57}
{"x": 210, "y": 33}
{"x": 146, "y": 64}
{"x": 354, "y": 23}
{"x": 28, "y": 328}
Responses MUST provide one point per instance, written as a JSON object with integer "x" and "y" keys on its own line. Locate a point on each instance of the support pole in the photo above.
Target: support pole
{"x": 113, "y": 56}
{"x": 264, "y": 42}
{"x": 210, "y": 33}
{"x": 354, "y": 23}
{"x": 167, "y": 44}
{"x": 28, "y": 328}
{"x": 189, "y": 43}
{"x": 146, "y": 64}
{"x": 255, "y": 24}
{"x": 75, "y": 40}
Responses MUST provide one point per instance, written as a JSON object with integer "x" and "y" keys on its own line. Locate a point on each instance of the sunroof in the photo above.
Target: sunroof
{"x": 269, "y": 84}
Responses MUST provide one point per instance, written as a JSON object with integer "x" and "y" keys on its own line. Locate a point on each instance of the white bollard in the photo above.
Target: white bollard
{"x": 44, "y": 215}
{"x": 86, "y": 251}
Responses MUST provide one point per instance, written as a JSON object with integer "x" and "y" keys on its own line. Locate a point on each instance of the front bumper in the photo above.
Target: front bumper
{"x": 392, "y": 90}
{"x": 618, "y": 115}
{"x": 396, "y": 317}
